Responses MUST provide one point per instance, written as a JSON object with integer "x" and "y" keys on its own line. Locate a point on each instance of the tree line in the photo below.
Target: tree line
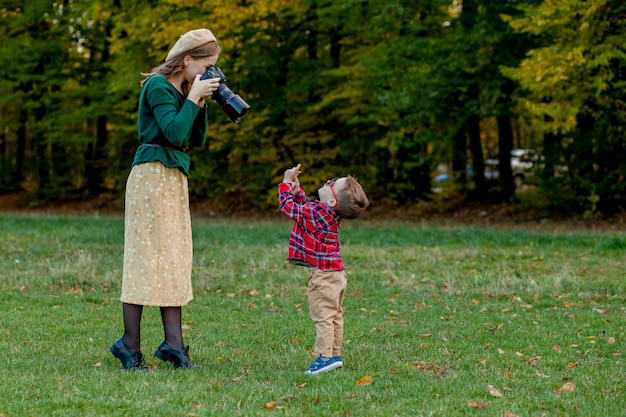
{"x": 388, "y": 91}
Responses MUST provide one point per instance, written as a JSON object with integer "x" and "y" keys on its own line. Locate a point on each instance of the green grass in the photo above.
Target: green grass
{"x": 433, "y": 315}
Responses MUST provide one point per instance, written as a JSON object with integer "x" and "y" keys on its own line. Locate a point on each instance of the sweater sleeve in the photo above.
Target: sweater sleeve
{"x": 176, "y": 125}
{"x": 301, "y": 212}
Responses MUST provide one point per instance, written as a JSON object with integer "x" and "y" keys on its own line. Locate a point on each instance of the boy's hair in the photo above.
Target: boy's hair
{"x": 351, "y": 200}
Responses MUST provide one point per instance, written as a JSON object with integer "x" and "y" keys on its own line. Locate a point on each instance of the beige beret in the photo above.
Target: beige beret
{"x": 190, "y": 40}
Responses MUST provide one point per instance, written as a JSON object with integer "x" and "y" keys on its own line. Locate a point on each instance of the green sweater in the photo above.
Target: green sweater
{"x": 167, "y": 118}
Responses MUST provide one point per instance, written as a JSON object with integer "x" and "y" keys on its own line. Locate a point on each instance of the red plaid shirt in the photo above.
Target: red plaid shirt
{"x": 314, "y": 239}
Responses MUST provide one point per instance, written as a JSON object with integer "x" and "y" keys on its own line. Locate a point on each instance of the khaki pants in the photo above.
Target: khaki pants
{"x": 326, "y": 291}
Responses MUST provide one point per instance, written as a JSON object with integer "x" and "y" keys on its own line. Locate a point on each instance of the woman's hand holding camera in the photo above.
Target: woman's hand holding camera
{"x": 201, "y": 89}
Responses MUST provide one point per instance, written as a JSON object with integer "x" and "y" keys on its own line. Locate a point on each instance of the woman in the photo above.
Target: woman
{"x": 172, "y": 116}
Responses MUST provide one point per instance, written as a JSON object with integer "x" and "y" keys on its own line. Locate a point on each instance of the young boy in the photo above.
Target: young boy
{"x": 314, "y": 243}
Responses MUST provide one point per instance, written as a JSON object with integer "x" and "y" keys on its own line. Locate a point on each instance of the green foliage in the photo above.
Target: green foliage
{"x": 385, "y": 91}
{"x": 574, "y": 88}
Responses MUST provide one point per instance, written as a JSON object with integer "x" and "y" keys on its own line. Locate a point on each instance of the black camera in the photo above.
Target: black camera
{"x": 233, "y": 105}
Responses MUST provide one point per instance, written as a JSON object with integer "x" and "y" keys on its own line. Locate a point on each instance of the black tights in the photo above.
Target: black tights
{"x": 172, "y": 326}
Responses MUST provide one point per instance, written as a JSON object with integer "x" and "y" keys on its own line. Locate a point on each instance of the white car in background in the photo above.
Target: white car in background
{"x": 522, "y": 163}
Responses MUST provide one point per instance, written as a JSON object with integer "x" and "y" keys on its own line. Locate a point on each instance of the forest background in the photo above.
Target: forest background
{"x": 389, "y": 91}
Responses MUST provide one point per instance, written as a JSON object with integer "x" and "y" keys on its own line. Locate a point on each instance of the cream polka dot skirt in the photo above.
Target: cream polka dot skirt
{"x": 158, "y": 246}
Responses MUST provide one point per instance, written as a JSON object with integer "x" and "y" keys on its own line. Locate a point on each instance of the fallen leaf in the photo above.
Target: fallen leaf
{"x": 508, "y": 414}
{"x": 534, "y": 361}
{"x": 610, "y": 340}
{"x": 500, "y": 351}
{"x": 482, "y": 363}
{"x": 557, "y": 348}
{"x": 569, "y": 387}
{"x": 480, "y": 406}
{"x": 366, "y": 380}
{"x": 270, "y": 405}
{"x": 572, "y": 365}
{"x": 96, "y": 364}
{"x": 494, "y": 392}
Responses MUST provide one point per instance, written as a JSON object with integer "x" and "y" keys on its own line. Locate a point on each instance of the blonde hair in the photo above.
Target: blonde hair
{"x": 174, "y": 66}
{"x": 351, "y": 200}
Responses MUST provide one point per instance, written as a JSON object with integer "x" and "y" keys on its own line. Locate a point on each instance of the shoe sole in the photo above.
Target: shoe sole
{"x": 325, "y": 369}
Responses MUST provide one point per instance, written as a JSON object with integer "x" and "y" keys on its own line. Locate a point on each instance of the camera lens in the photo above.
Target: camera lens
{"x": 233, "y": 105}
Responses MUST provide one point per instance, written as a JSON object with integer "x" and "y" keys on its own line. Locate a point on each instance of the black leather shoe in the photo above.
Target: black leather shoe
{"x": 130, "y": 360}
{"x": 179, "y": 358}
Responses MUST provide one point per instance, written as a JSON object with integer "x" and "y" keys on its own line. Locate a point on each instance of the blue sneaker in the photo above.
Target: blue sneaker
{"x": 323, "y": 364}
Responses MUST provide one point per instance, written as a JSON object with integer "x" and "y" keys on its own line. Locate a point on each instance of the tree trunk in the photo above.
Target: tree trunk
{"x": 478, "y": 162}
{"x": 505, "y": 141}
{"x": 459, "y": 157}
{"x": 20, "y": 154}
{"x": 505, "y": 146}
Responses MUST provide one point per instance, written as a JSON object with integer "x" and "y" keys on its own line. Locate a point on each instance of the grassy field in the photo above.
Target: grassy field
{"x": 445, "y": 321}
